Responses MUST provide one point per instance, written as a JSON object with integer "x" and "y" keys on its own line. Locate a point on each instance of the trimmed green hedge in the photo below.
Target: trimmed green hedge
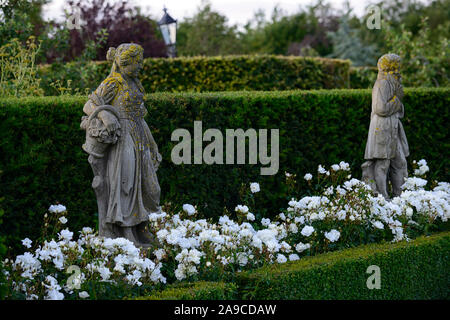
{"x": 419, "y": 269}
{"x": 200, "y": 74}
{"x": 42, "y": 160}
{"x": 201, "y": 290}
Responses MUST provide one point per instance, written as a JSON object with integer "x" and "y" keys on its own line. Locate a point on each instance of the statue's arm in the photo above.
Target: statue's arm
{"x": 386, "y": 103}
{"x": 104, "y": 94}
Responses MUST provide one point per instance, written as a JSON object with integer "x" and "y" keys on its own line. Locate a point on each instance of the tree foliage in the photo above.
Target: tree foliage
{"x": 347, "y": 44}
{"x": 119, "y": 21}
{"x": 207, "y": 33}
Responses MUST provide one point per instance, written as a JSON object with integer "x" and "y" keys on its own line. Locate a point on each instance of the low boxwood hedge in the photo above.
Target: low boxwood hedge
{"x": 419, "y": 269}
{"x": 43, "y": 163}
{"x": 201, "y": 290}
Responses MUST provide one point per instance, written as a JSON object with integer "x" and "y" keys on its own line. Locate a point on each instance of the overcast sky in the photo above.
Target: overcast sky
{"x": 237, "y": 11}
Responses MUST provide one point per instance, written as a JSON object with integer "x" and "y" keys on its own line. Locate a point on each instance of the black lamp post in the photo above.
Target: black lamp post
{"x": 168, "y": 27}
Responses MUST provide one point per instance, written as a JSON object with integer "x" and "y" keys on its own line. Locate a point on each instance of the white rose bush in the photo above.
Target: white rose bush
{"x": 342, "y": 213}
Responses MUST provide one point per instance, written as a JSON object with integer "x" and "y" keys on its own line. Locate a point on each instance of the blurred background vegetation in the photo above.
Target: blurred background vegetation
{"x": 417, "y": 31}
{"x": 313, "y": 30}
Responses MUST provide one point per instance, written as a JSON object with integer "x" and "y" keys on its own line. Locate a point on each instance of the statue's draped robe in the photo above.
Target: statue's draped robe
{"x": 130, "y": 178}
{"x": 386, "y": 132}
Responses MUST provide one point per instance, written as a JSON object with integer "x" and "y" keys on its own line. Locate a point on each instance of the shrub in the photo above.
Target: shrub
{"x": 18, "y": 70}
{"x": 42, "y": 160}
{"x": 228, "y": 73}
{"x": 363, "y": 77}
{"x": 201, "y": 290}
{"x": 419, "y": 269}
{"x": 425, "y": 61}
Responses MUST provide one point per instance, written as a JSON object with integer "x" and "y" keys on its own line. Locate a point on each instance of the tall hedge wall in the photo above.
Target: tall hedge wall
{"x": 200, "y": 74}
{"x": 419, "y": 269}
{"x": 42, "y": 160}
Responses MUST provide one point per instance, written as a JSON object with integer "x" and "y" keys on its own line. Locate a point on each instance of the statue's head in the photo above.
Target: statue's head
{"x": 127, "y": 59}
{"x": 389, "y": 63}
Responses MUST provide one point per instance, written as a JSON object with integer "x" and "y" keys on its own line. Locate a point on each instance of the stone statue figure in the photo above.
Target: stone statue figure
{"x": 387, "y": 147}
{"x": 122, "y": 152}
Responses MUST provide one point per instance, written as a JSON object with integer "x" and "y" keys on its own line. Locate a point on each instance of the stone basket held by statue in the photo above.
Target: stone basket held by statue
{"x": 98, "y": 138}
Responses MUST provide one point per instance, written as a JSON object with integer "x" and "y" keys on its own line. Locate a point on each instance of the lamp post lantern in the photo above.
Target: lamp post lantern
{"x": 168, "y": 27}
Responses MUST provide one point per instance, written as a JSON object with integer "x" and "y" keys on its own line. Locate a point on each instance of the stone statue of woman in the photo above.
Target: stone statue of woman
{"x": 122, "y": 152}
{"x": 387, "y": 146}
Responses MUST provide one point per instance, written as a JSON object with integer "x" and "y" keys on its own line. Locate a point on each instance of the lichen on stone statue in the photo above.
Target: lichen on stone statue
{"x": 122, "y": 151}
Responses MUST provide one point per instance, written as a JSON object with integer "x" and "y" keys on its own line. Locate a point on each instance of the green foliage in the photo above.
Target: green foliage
{"x": 281, "y": 31}
{"x": 18, "y": 70}
{"x": 75, "y": 77}
{"x": 363, "y": 77}
{"x": 3, "y": 288}
{"x": 425, "y": 62}
{"x": 20, "y": 19}
{"x": 48, "y": 138}
{"x": 201, "y": 290}
{"x": 206, "y": 33}
{"x": 229, "y": 73}
{"x": 42, "y": 160}
{"x": 2, "y": 237}
{"x": 348, "y": 45}
{"x": 419, "y": 269}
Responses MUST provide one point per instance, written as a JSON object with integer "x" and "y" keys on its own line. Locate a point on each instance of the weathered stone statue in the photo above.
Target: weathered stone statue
{"x": 387, "y": 147}
{"x": 122, "y": 152}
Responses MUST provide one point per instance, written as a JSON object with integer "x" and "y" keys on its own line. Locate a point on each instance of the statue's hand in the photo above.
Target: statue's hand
{"x": 157, "y": 160}
{"x": 109, "y": 120}
{"x": 144, "y": 110}
{"x": 108, "y": 92}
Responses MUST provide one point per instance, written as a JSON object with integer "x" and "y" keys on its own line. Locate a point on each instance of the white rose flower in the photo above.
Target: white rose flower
{"x": 409, "y": 212}
{"x": 293, "y": 228}
{"x": 321, "y": 169}
{"x": 281, "y": 258}
{"x": 378, "y": 225}
{"x": 344, "y": 166}
{"x": 240, "y": 208}
{"x": 86, "y": 230}
{"x": 26, "y": 243}
{"x": 63, "y": 220}
{"x": 254, "y": 187}
{"x": 83, "y": 295}
{"x": 308, "y": 176}
{"x": 335, "y": 167}
{"x": 265, "y": 222}
{"x": 307, "y": 231}
{"x": 293, "y": 257}
{"x": 333, "y": 235}
{"x": 189, "y": 209}
{"x": 300, "y": 247}
{"x": 65, "y": 235}
{"x": 57, "y": 208}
